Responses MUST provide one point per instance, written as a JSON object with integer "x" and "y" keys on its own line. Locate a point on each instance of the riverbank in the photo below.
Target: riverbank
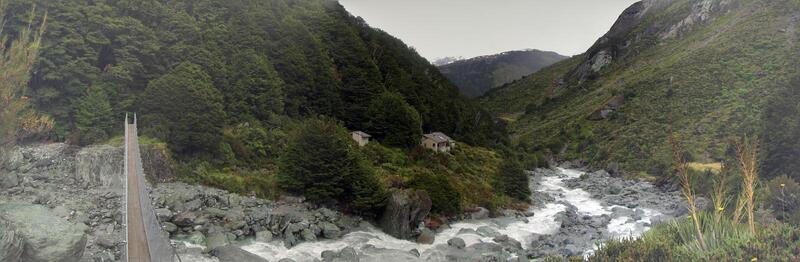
{"x": 78, "y": 192}
{"x": 575, "y": 210}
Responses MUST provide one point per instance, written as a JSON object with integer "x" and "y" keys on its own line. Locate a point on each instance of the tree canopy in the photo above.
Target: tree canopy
{"x": 393, "y": 121}
{"x": 184, "y": 109}
{"x": 321, "y": 163}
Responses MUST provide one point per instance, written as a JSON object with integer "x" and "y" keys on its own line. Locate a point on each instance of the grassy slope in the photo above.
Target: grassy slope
{"x": 722, "y": 74}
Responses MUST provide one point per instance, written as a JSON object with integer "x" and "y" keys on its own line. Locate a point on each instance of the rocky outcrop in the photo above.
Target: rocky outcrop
{"x": 100, "y": 166}
{"x": 45, "y": 236}
{"x": 80, "y": 186}
{"x": 607, "y": 109}
{"x": 404, "y": 212}
{"x": 216, "y": 218}
{"x": 158, "y": 164}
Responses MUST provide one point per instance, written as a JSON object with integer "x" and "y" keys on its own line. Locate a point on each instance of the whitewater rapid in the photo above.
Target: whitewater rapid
{"x": 543, "y": 222}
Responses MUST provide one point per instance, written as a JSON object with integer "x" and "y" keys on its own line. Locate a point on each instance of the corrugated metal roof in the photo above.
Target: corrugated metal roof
{"x": 438, "y": 137}
{"x": 361, "y": 134}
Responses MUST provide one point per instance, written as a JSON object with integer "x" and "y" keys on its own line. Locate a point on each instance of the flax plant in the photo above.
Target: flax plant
{"x": 719, "y": 194}
{"x": 747, "y": 156}
{"x": 682, "y": 168}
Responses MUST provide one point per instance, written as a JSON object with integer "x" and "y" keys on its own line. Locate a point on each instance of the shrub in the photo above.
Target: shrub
{"x": 726, "y": 241}
{"x": 784, "y": 198}
{"x": 261, "y": 183}
{"x": 445, "y": 198}
{"x": 253, "y": 144}
{"x": 512, "y": 180}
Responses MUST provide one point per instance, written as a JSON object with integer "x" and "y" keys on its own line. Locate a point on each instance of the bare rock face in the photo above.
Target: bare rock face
{"x": 404, "y": 212}
{"x": 62, "y": 241}
{"x": 157, "y": 163}
{"x": 100, "y": 166}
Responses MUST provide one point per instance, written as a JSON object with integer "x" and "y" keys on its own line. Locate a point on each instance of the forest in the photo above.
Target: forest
{"x": 224, "y": 86}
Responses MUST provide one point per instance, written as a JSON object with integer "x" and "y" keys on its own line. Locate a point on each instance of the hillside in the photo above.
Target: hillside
{"x": 706, "y": 70}
{"x": 254, "y": 61}
{"x": 476, "y": 76}
{"x": 253, "y": 96}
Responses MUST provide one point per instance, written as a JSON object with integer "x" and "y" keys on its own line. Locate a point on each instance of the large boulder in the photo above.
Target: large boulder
{"x": 100, "y": 167}
{"x": 47, "y": 237}
{"x": 232, "y": 253}
{"x": 404, "y": 212}
{"x": 157, "y": 163}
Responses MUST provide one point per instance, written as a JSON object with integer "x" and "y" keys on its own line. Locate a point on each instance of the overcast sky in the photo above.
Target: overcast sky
{"x": 468, "y": 28}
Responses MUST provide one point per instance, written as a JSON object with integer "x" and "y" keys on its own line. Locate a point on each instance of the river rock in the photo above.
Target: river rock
{"x": 480, "y": 213}
{"x": 232, "y": 253}
{"x": 331, "y": 231}
{"x": 169, "y": 227}
{"x": 100, "y": 166}
{"x": 487, "y": 231}
{"x": 264, "y": 236}
{"x": 426, "y": 236}
{"x": 163, "y": 214}
{"x": 197, "y": 238}
{"x": 508, "y": 243}
{"x": 217, "y": 239}
{"x": 104, "y": 242}
{"x": 185, "y": 219}
{"x": 347, "y": 254}
{"x": 404, "y": 212}
{"x": 457, "y": 243}
{"x": 464, "y": 231}
{"x": 61, "y": 242}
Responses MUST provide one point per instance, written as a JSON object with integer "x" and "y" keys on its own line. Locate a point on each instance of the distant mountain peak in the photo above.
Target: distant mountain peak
{"x": 475, "y": 76}
{"x": 446, "y": 60}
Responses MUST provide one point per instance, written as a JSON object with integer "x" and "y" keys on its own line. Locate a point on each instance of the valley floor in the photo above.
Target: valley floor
{"x": 573, "y": 212}
{"x": 78, "y": 191}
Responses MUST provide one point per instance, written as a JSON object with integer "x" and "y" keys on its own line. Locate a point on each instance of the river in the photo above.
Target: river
{"x": 547, "y": 221}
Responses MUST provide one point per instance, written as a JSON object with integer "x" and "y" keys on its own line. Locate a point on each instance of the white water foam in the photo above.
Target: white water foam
{"x": 543, "y": 222}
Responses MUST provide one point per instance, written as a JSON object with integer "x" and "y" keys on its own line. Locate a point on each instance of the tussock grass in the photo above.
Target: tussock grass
{"x": 714, "y": 168}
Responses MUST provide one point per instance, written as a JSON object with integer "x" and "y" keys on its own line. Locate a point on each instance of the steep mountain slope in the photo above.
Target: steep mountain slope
{"x": 264, "y": 59}
{"x": 706, "y": 70}
{"x": 477, "y": 75}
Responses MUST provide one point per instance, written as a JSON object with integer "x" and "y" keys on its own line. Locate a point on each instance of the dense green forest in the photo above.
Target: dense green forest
{"x": 228, "y": 89}
{"x": 263, "y": 59}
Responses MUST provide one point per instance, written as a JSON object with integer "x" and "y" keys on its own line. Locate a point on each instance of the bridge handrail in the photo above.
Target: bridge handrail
{"x": 157, "y": 242}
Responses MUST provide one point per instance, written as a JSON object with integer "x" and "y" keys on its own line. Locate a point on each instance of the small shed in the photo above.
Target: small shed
{"x": 361, "y": 138}
{"x": 437, "y": 141}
